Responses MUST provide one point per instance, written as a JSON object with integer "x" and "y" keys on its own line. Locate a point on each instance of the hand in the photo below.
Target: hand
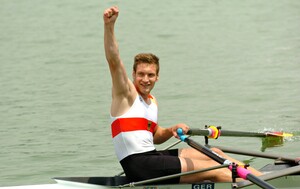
{"x": 110, "y": 15}
{"x": 183, "y": 126}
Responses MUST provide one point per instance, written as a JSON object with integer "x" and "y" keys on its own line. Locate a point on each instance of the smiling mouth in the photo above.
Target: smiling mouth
{"x": 145, "y": 85}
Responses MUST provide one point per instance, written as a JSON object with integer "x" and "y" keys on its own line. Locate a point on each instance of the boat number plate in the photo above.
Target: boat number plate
{"x": 203, "y": 186}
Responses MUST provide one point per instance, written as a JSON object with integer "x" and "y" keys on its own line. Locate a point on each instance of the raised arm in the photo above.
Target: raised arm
{"x": 110, "y": 43}
{"x": 123, "y": 91}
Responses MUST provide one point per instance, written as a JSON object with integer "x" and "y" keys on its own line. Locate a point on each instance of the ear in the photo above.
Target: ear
{"x": 157, "y": 78}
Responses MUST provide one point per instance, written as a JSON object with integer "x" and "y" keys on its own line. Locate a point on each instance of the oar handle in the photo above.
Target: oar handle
{"x": 181, "y": 135}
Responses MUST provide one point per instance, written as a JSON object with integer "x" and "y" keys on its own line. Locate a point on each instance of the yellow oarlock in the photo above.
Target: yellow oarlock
{"x": 215, "y": 132}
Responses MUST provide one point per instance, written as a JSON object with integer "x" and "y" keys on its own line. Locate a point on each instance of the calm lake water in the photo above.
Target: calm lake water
{"x": 229, "y": 63}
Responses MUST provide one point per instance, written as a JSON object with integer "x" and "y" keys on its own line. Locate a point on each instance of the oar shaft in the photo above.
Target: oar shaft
{"x": 259, "y": 182}
{"x": 242, "y": 133}
{"x": 207, "y": 132}
{"x": 201, "y": 132}
{"x": 207, "y": 151}
{"x": 272, "y": 175}
{"x": 256, "y": 154}
{"x": 202, "y": 148}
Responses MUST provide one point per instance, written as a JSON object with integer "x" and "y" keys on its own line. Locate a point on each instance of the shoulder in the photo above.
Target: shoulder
{"x": 153, "y": 99}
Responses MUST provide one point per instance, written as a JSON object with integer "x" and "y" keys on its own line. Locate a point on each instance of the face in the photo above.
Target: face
{"x": 144, "y": 78}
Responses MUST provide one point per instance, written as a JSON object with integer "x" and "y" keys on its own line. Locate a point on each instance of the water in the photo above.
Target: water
{"x": 229, "y": 63}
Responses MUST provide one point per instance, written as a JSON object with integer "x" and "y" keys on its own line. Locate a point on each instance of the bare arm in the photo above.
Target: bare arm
{"x": 163, "y": 134}
{"x": 123, "y": 91}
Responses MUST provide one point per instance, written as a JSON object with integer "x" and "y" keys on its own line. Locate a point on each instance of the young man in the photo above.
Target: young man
{"x": 134, "y": 121}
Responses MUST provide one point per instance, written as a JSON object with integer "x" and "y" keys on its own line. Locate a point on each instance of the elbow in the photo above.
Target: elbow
{"x": 157, "y": 142}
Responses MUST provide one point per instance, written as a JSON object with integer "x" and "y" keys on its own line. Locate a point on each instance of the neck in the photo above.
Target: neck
{"x": 145, "y": 97}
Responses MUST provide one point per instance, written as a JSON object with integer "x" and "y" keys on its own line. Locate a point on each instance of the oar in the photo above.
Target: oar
{"x": 259, "y": 154}
{"x": 241, "y": 171}
{"x": 215, "y": 132}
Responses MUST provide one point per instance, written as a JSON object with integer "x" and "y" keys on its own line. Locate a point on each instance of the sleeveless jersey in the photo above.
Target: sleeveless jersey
{"x": 132, "y": 132}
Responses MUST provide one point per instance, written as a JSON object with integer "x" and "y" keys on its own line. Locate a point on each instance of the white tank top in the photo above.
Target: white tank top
{"x": 132, "y": 132}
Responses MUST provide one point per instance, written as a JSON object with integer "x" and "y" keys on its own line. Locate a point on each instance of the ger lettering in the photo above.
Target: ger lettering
{"x": 203, "y": 186}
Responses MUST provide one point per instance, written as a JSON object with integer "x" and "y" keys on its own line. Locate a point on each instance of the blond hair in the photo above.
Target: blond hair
{"x": 148, "y": 58}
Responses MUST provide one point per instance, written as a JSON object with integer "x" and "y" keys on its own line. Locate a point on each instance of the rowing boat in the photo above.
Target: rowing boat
{"x": 284, "y": 173}
{"x": 121, "y": 182}
{"x": 275, "y": 171}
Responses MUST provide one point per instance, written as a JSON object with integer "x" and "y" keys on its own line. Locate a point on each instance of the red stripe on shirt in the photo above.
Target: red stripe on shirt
{"x": 131, "y": 124}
